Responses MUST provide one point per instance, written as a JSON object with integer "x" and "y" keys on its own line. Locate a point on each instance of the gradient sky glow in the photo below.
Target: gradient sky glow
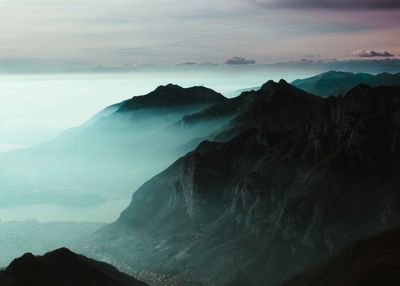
{"x": 129, "y": 32}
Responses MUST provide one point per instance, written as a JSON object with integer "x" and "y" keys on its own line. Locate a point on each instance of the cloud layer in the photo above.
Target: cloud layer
{"x": 239, "y": 61}
{"x": 344, "y": 5}
{"x": 372, "y": 54}
{"x": 164, "y": 32}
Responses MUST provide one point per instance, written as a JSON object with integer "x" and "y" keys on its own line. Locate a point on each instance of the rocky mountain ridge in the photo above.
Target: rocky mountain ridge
{"x": 289, "y": 190}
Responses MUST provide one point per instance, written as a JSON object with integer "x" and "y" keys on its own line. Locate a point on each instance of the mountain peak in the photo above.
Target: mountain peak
{"x": 273, "y": 86}
{"x": 170, "y": 96}
{"x": 278, "y": 105}
{"x": 281, "y": 88}
{"x": 63, "y": 251}
{"x": 282, "y": 81}
{"x": 169, "y": 86}
{"x": 63, "y": 267}
{"x": 360, "y": 89}
{"x": 23, "y": 259}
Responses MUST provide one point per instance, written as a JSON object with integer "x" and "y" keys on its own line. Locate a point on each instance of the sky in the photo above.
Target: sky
{"x": 167, "y": 32}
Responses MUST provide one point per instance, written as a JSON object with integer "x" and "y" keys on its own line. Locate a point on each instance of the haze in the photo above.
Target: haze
{"x": 37, "y": 107}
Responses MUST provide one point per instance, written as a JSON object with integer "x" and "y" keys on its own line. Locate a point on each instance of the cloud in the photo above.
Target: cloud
{"x": 372, "y": 54}
{"x": 205, "y": 63}
{"x": 331, "y": 4}
{"x": 239, "y": 61}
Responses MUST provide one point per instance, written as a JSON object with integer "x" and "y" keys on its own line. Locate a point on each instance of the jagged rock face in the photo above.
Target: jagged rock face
{"x": 346, "y": 170}
{"x": 280, "y": 105}
{"x": 363, "y": 124}
{"x": 264, "y": 205}
{"x": 65, "y": 268}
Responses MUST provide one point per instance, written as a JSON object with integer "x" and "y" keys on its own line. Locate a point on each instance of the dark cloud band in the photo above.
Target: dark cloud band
{"x": 331, "y": 4}
{"x": 239, "y": 61}
{"x": 372, "y": 54}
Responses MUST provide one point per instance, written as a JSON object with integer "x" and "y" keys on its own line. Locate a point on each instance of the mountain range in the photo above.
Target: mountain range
{"x": 279, "y": 180}
{"x": 302, "y": 177}
{"x": 334, "y": 83}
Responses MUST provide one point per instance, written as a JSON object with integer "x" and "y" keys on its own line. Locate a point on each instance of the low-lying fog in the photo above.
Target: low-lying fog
{"x": 35, "y": 108}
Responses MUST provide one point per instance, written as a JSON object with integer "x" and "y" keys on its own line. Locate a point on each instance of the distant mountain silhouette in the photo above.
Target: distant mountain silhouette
{"x": 334, "y": 83}
{"x": 63, "y": 268}
{"x": 370, "y": 262}
{"x": 172, "y": 96}
{"x": 304, "y": 177}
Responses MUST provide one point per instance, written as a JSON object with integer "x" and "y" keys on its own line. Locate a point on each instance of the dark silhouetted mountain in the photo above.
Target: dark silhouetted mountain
{"x": 279, "y": 105}
{"x": 292, "y": 188}
{"x": 217, "y": 115}
{"x": 172, "y": 96}
{"x": 63, "y": 268}
{"x": 334, "y": 83}
{"x": 371, "y": 262}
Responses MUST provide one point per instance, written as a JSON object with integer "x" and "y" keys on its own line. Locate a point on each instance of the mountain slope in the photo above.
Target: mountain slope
{"x": 117, "y": 150}
{"x": 64, "y": 268}
{"x": 226, "y": 109}
{"x": 371, "y": 262}
{"x": 277, "y": 104}
{"x": 276, "y": 198}
{"x": 335, "y": 83}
